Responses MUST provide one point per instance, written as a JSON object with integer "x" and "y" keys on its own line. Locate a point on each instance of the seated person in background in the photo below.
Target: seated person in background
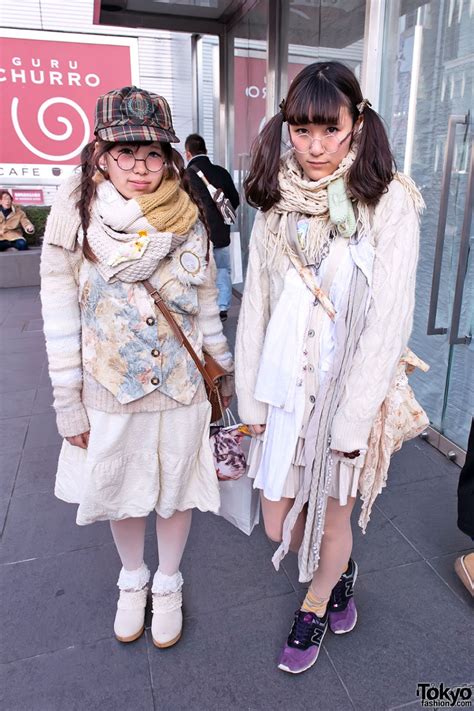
{"x": 12, "y": 219}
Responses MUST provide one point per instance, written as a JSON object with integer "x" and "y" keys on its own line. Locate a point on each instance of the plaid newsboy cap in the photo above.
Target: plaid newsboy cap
{"x": 131, "y": 114}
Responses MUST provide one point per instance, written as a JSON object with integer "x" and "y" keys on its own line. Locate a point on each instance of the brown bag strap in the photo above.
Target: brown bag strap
{"x": 183, "y": 341}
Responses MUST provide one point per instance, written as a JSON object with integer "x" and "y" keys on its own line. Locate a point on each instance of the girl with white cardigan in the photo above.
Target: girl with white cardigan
{"x": 326, "y": 315}
{"x": 130, "y": 402}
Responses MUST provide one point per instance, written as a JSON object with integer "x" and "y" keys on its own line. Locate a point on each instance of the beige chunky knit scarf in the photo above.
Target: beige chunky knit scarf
{"x": 306, "y": 197}
{"x": 310, "y": 198}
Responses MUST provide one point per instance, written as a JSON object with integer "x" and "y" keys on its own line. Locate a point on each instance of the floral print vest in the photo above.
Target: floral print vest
{"x": 130, "y": 349}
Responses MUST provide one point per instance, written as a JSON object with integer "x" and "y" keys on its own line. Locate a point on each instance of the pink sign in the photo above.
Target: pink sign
{"x": 48, "y": 90}
{"x": 250, "y": 92}
{"x": 28, "y": 197}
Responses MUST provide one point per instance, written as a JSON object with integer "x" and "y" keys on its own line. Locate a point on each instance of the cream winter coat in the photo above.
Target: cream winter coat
{"x": 395, "y": 235}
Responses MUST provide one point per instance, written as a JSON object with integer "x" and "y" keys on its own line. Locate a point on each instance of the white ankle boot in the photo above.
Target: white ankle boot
{"x": 167, "y": 614}
{"x": 130, "y": 618}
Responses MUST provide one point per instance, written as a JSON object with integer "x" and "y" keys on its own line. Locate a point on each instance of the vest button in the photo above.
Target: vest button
{"x": 155, "y": 381}
{"x": 155, "y": 352}
{"x": 150, "y": 321}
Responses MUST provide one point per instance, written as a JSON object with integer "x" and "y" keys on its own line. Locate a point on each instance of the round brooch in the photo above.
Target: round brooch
{"x": 190, "y": 262}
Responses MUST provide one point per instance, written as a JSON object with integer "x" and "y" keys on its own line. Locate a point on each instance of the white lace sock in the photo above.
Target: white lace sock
{"x": 166, "y": 584}
{"x": 129, "y": 538}
{"x": 133, "y": 579}
{"x": 172, "y": 535}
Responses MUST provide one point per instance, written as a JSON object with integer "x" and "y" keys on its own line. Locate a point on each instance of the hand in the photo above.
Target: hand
{"x": 30, "y": 230}
{"x": 347, "y": 455}
{"x": 226, "y": 400}
{"x": 81, "y": 440}
{"x": 256, "y": 429}
{"x": 351, "y": 455}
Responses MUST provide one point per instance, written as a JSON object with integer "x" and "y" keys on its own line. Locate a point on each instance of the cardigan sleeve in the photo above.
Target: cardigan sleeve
{"x": 63, "y": 220}
{"x": 62, "y": 328}
{"x": 214, "y": 341}
{"x": 251, "y": 329}
{"x": 388, "y": 322}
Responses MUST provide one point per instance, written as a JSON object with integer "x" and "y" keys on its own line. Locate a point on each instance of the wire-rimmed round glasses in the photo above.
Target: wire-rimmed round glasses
{"x": 303, "y": 142}
{"x": 126, "y": 161}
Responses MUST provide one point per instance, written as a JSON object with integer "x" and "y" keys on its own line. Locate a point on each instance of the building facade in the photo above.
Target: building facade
{"x": 224, "y": 65}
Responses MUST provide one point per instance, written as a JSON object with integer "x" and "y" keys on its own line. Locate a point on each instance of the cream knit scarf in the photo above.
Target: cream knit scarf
{"x": 130, "y": 237}
{"x": 309, "y": 198}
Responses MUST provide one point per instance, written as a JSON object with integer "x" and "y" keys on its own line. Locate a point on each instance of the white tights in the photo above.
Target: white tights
{"x": 172, "y": 534}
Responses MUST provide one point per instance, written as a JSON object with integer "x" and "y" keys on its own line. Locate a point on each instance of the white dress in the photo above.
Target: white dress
{"x": 139, "y": 462}
{"x": 311, "y": 369}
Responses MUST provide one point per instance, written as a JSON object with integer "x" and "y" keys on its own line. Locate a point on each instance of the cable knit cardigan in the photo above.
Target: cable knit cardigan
{"x": 74, "y": 388}
{"x": 395, "y": 233}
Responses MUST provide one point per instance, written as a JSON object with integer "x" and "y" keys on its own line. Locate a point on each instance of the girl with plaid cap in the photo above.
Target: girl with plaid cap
{"x": 130, "y": 403}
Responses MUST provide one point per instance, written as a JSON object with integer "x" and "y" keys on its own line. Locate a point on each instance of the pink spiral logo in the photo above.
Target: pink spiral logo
{"x": 60, "y": 136}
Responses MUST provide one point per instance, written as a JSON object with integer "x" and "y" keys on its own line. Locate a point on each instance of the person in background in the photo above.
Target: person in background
{"x": 12, "y": 219}
{"x": 464, "y": 565}
{"x": 196, "y": 155}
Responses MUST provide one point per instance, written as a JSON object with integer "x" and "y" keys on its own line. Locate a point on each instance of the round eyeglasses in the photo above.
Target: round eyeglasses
{"x": 126, "y": 161}
{"x": 303, "y": 142}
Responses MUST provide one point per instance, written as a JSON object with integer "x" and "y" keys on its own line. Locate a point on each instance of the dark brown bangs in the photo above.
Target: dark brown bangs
{"x": 314, "y": 100}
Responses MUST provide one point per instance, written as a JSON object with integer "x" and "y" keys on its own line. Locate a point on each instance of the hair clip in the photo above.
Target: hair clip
{"x": 362, "y": 105}
{"x": 281, "y": 105}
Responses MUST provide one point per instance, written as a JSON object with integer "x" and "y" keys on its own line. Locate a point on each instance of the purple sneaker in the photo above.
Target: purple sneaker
{"x": 341, "y": 608}
{"x": 302, "y": 646}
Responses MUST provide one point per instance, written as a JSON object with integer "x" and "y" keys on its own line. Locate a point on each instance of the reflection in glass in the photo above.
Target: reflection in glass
{"x": 426, "y": 78}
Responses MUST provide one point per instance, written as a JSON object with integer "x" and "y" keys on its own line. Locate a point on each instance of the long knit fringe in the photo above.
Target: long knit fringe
{"x": 412, "y": 191}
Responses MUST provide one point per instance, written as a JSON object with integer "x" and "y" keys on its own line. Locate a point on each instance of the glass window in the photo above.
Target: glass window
{"x": 319, "y": 31}
{"x": 250, "y": 49}
{"x": 426, "y": 95}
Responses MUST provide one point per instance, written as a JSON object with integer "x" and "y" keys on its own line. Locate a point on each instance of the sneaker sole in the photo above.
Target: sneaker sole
{"x": 463, "y": 575}
{"x": 132, "y": 638}
{"x": 355, "y": 621}
{"x": 300, "y": 671}
{"x": 164, "y": 645}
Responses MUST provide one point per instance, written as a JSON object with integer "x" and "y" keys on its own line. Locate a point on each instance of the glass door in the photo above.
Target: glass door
{"x": 426, "y": 99}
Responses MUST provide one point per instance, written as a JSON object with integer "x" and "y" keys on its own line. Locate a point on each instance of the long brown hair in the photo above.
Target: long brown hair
{"x": 90, "y": 166}
{"x": 316, "y": 95}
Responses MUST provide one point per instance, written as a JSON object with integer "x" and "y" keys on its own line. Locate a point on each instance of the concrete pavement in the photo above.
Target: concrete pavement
{"x": 58, "y": 590}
